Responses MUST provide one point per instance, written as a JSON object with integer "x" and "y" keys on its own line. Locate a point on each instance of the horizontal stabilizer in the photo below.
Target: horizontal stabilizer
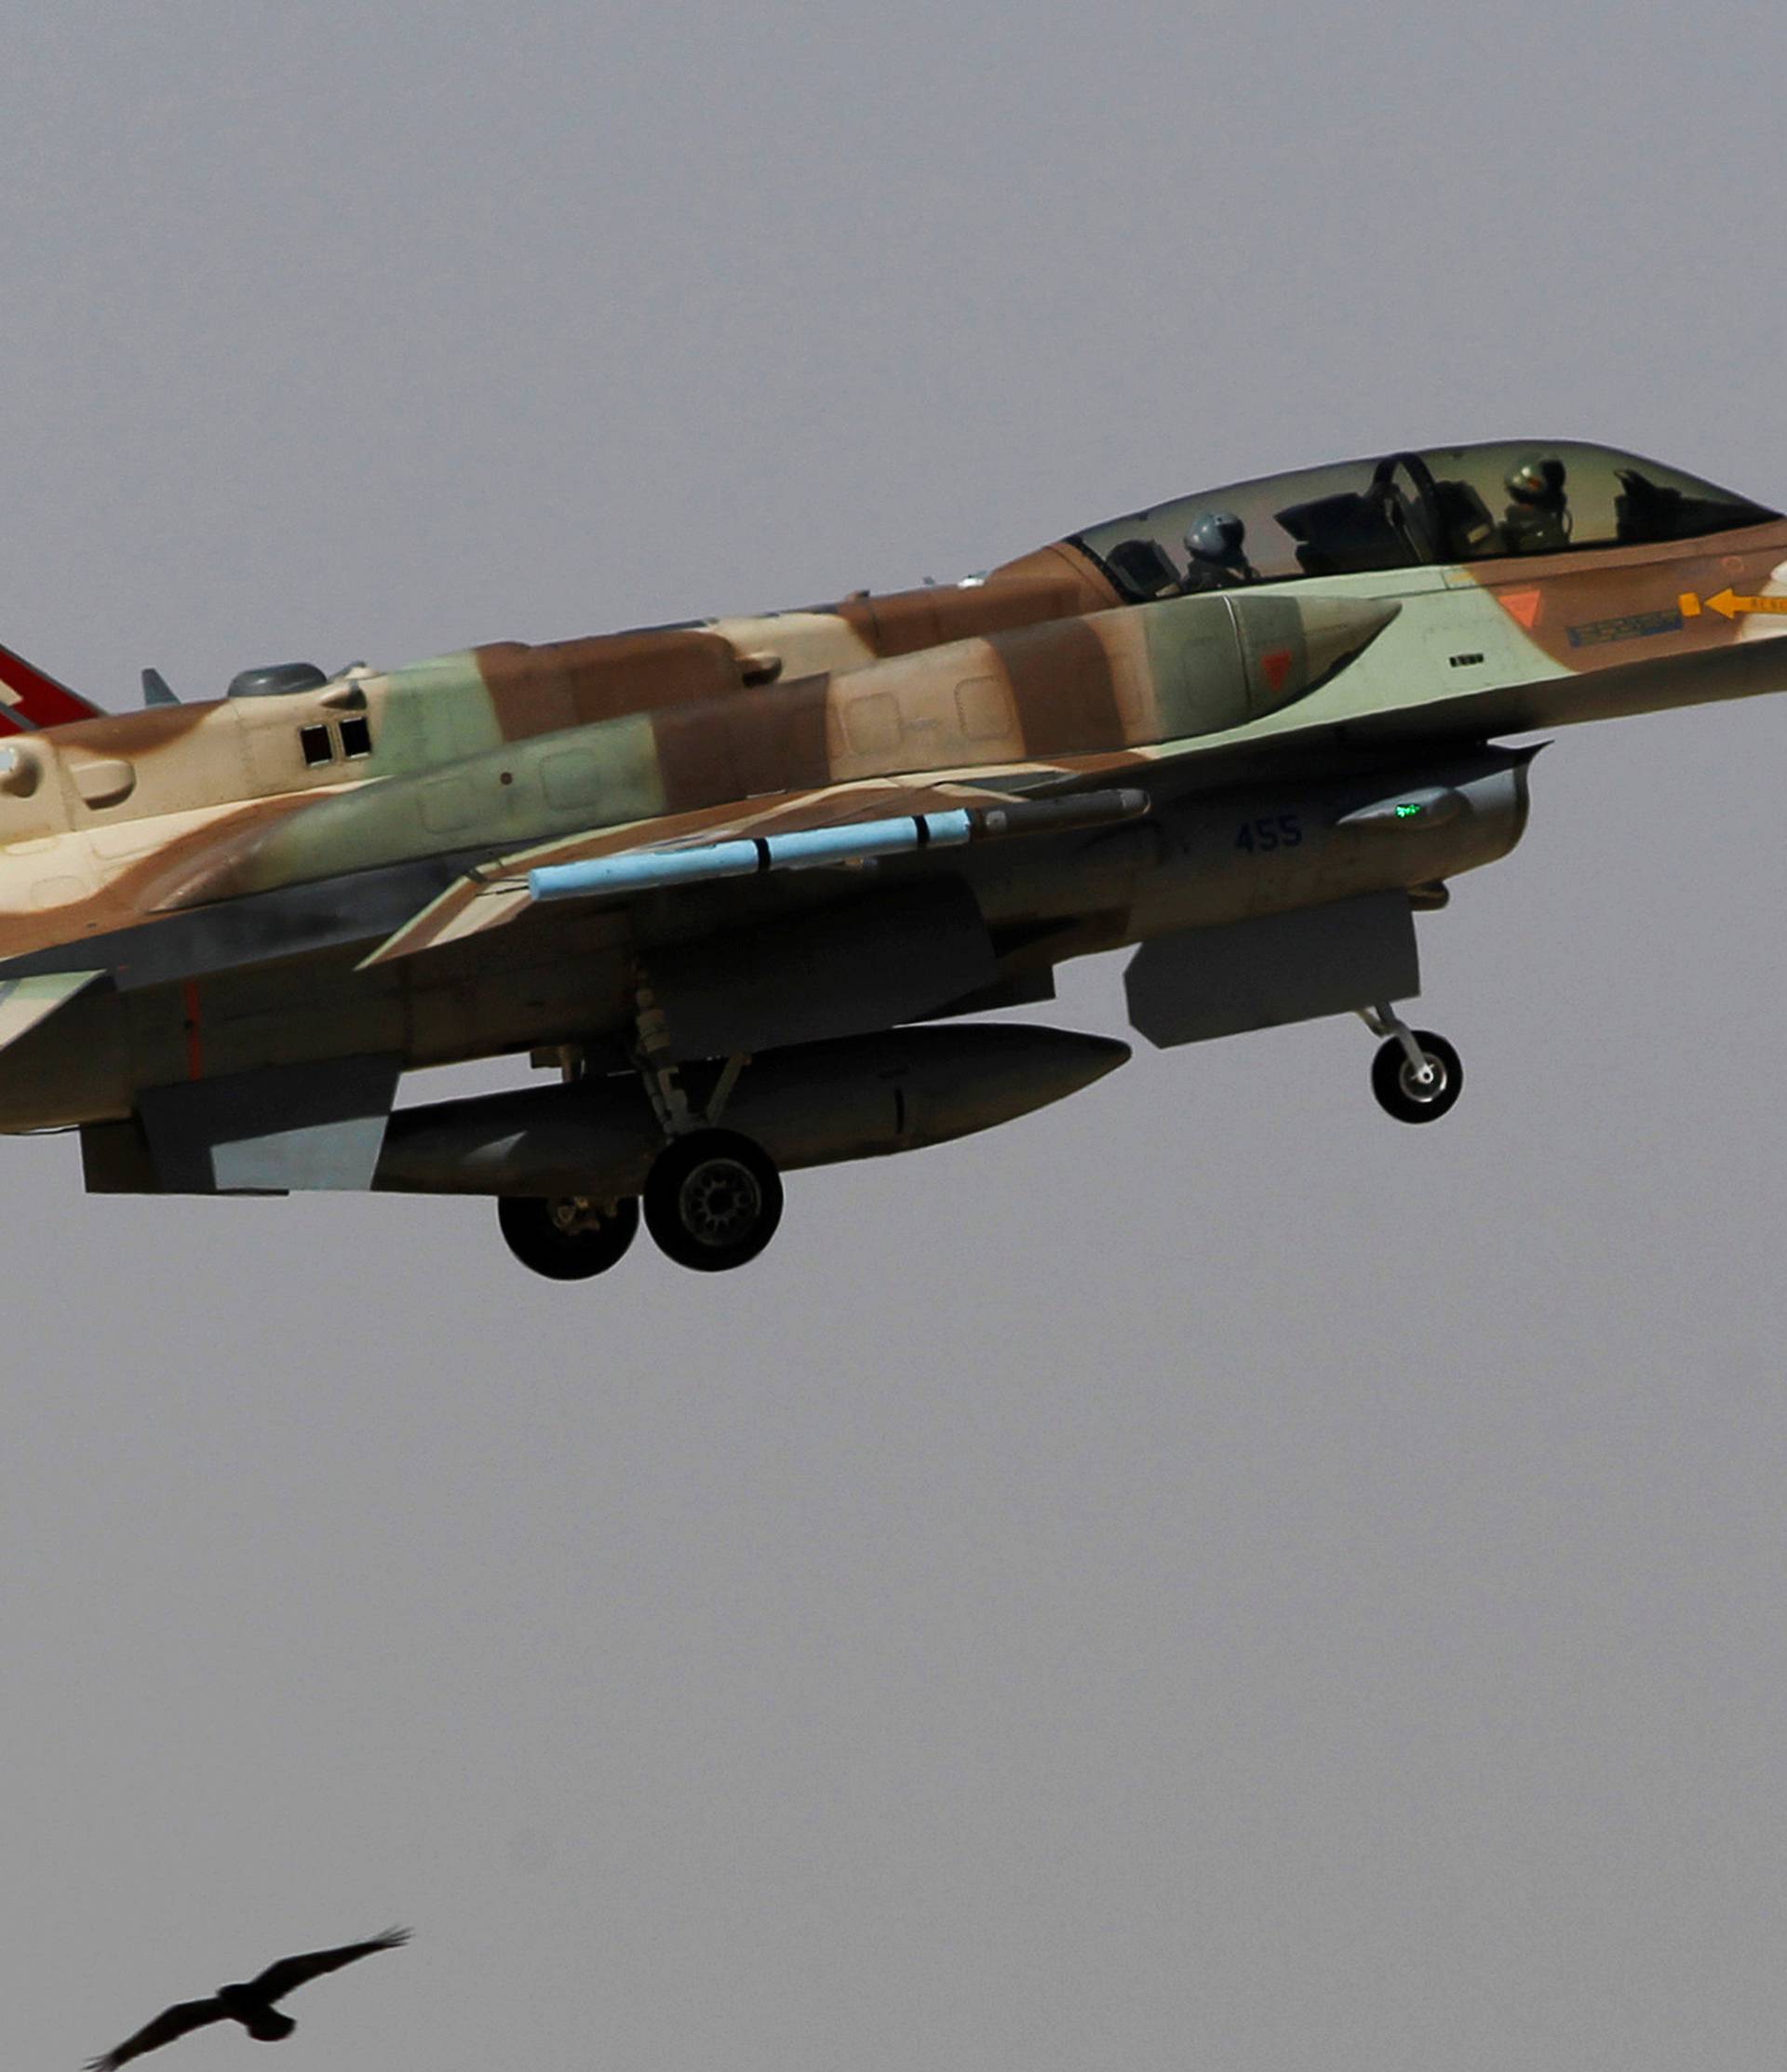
{"x": 288, "y": 1129}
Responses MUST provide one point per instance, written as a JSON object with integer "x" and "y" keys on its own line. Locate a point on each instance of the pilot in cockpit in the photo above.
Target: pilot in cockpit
{"x": 1538, "y": 519}
{"x": 1216, "y": 554}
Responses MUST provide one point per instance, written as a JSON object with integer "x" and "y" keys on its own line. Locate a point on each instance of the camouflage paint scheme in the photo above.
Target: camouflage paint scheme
{"x": 184, "y": 896}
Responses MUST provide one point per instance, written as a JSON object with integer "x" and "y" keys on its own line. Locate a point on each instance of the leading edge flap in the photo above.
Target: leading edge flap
{"x": 26, "y": 1001}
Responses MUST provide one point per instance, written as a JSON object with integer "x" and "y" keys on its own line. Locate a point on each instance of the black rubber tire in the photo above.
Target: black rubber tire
{"x": 1397, "y": 1092}
{"x": 542, "y": 1242}
{"x": 713, "y": 1200}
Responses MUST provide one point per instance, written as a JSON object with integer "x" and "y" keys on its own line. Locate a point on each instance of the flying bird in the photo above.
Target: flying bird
{"x": 251, "y": 2004}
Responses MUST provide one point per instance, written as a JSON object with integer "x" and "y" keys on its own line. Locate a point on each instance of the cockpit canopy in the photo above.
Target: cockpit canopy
{"x": 1404, "y": 510}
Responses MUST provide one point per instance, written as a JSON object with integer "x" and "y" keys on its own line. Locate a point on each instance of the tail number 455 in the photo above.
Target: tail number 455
{"x": 1283, "y": 830}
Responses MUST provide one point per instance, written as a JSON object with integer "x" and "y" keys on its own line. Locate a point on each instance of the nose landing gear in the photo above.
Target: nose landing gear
{"x": 1415, "y": 1075}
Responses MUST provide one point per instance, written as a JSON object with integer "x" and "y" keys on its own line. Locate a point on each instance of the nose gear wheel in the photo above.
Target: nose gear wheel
{"x": 1416, "y": 1092}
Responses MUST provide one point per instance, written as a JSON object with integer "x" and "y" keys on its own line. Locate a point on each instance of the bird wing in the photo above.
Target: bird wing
{"x": 290, "y": 1973}
{"x": 171, "y": 2022}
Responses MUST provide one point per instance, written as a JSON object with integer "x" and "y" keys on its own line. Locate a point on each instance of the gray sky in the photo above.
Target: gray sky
{"x": 1201, "y": 1576}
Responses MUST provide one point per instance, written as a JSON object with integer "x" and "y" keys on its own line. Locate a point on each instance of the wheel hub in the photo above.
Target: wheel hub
{"x": 1425, "y": 1082}
{"x": 720, "y": 1202}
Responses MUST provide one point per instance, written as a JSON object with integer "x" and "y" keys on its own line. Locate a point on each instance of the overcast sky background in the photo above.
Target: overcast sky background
{"x": 1201, "y": 1576}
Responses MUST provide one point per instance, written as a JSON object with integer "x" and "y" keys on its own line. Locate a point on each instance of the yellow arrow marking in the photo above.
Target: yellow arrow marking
{"x": 1728, "y": 604}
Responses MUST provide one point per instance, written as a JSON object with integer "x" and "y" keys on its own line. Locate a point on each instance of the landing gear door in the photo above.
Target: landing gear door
{"x": 1331, "y": 960}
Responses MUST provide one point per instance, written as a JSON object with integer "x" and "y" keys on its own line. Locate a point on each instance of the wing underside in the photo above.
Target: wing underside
{"x": 495, "y": 895}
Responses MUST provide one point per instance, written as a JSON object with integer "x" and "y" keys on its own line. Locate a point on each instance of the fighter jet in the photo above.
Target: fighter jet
{"x": 742, "y": 884}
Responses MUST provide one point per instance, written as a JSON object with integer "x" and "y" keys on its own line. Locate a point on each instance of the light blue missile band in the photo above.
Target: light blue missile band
{"x": 644, "y": 871}
{"x": 868, "y": 837}
{"x": 653, "y": 869}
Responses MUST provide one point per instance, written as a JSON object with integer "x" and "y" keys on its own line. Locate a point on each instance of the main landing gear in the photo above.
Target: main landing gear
{"x": 570, "y": 1239}
{"x": 1415, "y": 1075}
{"x": 712, "y": 1199}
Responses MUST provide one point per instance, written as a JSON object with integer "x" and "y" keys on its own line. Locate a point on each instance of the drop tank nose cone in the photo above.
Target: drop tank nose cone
{"x": 976, "y": 1075}
{"x": 1048, "y": 1062}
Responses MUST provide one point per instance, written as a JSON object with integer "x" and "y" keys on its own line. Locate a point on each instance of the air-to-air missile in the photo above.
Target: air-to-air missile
{"x": 738, "y": 881}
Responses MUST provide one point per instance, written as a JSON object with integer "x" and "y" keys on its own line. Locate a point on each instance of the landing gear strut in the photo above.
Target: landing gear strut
{"x": 712, "y": 1198}
{"x": 568, "y": 1239}
{"x": 1415, "y": 1075}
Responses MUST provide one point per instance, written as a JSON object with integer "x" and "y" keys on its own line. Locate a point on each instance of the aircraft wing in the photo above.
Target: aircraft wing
{"x": 840, "y": 825}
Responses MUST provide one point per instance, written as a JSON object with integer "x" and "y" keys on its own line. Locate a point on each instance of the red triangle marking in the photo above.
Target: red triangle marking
{"x": 1276, "y": 668}
{"x": 1524, "y": 605}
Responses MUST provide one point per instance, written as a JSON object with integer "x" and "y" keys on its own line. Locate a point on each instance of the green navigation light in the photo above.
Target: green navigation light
{"x": 1406, "y": 812}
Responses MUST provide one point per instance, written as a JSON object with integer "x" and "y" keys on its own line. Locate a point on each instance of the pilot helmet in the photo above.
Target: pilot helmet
{"x": 1537, "y": 480}
{"x": 1217, "y": 536}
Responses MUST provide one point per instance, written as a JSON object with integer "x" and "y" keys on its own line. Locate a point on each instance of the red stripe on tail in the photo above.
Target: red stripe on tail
{"x": 30, "y": 694}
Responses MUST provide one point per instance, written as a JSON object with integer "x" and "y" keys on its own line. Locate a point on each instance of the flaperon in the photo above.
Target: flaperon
{"x": 735, "y": 881}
